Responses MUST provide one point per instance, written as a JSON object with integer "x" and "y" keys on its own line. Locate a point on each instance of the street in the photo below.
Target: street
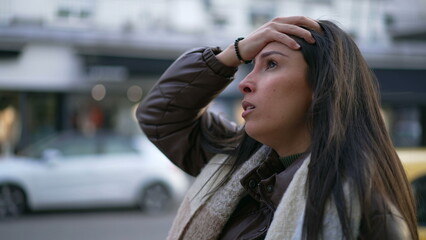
{"x": 88, "y": 225}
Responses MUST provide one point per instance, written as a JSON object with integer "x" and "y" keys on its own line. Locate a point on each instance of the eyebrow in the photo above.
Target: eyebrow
{"x": 266, "y": 54}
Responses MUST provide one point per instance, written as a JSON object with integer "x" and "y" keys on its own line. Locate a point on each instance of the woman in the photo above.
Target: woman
{"x": 313, "y": 160}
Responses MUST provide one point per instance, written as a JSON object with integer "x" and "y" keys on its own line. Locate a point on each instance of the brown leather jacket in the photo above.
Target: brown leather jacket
{"x": 174, "y": 117}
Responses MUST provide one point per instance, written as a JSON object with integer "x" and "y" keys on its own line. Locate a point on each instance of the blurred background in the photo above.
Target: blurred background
{"x": 82, "y": 66}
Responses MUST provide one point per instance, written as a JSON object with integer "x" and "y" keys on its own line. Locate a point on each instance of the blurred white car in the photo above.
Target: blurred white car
{"x": 74, "y": 171}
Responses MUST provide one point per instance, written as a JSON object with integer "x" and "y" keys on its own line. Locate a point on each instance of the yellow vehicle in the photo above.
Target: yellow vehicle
{"x": 414, "y": 161}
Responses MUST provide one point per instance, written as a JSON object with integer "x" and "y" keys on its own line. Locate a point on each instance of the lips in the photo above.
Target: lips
{"x": 248, "y": 107}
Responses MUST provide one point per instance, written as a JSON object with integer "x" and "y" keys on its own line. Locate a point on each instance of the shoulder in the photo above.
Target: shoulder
{"x": 384, "y": 222}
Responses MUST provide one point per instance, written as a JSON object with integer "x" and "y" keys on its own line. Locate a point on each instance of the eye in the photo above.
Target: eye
{"x": 270, "y": 64}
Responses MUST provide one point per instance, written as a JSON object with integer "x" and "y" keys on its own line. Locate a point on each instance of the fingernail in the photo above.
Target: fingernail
{"x": 297, "y": 46}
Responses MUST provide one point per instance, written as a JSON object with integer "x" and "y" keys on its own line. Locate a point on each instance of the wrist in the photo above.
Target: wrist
{"x": 237, "y": 51}
{"x": 228, "y": 57}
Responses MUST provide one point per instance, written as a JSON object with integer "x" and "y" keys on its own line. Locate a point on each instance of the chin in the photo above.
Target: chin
{"x": 254, "y": 134}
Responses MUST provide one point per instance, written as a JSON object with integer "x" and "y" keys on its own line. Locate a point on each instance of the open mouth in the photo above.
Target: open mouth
{"x": 248, "y": 107}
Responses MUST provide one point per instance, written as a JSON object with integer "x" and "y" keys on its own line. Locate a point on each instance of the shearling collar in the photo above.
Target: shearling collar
{"x": 268, "y": 182}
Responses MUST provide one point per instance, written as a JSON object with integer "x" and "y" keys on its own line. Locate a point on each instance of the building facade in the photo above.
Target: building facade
{"x": 86, "y": 64}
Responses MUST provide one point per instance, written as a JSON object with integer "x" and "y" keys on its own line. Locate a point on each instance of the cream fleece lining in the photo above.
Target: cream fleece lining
{"x": 200, "y": 218}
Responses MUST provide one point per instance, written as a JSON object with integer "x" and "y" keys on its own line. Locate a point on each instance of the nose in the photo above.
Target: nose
{"x": 246, "y": 86}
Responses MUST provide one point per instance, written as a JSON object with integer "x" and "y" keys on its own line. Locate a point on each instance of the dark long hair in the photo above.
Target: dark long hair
{"x": 349, "y": 139}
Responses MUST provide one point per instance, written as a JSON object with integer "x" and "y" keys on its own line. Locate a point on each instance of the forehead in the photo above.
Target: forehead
{"x": 279, "y": 47}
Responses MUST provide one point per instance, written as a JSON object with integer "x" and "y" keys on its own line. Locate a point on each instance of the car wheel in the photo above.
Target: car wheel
{"x": 155, "y": 198}
{"x": 12, "y": 201}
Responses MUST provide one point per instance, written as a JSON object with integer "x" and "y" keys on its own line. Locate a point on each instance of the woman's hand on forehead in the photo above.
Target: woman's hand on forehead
{"x": 276, "y": 30}
{"x": 300, "y": 21}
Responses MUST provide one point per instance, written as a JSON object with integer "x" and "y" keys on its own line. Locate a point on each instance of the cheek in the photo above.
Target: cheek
{"x": 292, "y": 103}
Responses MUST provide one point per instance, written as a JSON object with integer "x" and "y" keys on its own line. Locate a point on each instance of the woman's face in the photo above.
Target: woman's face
{"x": 276, "y": 100}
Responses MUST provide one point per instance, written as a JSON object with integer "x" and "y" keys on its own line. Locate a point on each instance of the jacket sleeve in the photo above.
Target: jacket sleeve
{"x": 386, "y": 226}
{"x": 174, "y": 116}
{"x": 384, "y": 222}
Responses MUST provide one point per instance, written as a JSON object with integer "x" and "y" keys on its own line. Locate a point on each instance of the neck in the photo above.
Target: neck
{"x": 289, "y": 160}
{"x": 292, "y": 144}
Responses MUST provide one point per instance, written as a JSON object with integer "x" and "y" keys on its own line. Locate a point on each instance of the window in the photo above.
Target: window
{"x": 113, "y": 145}
{"x": 419, "y": 188}
{"x": 406, "y": 126}
{"x": 319, "y": 1}
{"x": 75, "y": 10}
{"x": 76, "y": 146}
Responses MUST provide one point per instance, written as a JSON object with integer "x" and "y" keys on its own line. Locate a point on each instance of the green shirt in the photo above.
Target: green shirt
{"x": 288, "y": 160}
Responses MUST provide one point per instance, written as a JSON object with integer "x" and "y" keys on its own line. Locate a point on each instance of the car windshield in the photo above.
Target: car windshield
{"x": 77, "y": 144}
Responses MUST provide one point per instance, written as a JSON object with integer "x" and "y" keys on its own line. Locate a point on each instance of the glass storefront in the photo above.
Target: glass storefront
{"x": 10, "y": 122}
{"x": 27, "y": 117}
{"x": 407, "y": 125}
